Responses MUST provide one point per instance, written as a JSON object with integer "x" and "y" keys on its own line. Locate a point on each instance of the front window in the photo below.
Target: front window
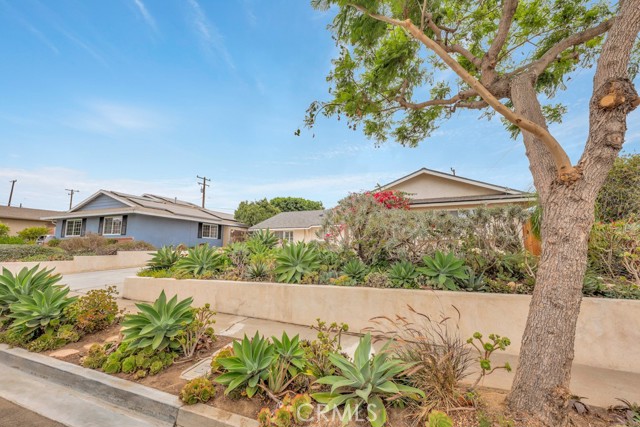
{"x": 209, "y": 231}
{"x": 112, "y": 225}
{"x": 73, "y": 228}
{"x": 284, "y": 235}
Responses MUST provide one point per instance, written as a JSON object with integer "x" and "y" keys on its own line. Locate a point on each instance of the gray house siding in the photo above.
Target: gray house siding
{"x": 155, "y": 230}
{"x": 103, "y": 202}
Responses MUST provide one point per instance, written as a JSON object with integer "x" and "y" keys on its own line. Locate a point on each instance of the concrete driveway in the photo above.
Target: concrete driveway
{"x": 80, "y": 283}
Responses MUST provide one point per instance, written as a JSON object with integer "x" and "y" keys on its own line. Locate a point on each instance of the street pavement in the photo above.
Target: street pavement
{"x": 84, "y": 282}
{"x": 14, "y": 415}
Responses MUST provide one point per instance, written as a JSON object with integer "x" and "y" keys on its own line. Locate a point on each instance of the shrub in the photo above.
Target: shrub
{"x": 25, "y": 282}
{"x": 54, "y": 243}
{"x": 165, "y": 258}
{"x": 328, "y": 340}
{"x": 32, "y": 233}
{"x": 95, "y": 311}
{"x": 158, "y": 274}
{"x": 87, "y": 245}
{"x": 199, "y": 330}
{"x": 53, "y": 338}
{"x": 197, "y": 390}
{"x": 10, "y": 253}
{"x": 156, "y": 326}
{"x": 200, "y": 260}
{"x": 619, "y": 196}
{"x": 444, "y": 269}
{"x": 294, "y": 261}
{"x": 11, "y": 240}
{"x": 377, "y": 279}
{"x": 134, "y": 245}
{"x": 365, "y": 382}
{"x": 614, "y": 249}
{"x": 35, "y": 312}
{"x": 403, "y": 274}
{"x": 4, "y": 230}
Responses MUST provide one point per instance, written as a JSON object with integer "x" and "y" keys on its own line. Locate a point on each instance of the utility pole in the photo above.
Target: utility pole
{"x": 13, "y": 184}
{"x": 204, "y": 186}
{"x": 71, "y": 193}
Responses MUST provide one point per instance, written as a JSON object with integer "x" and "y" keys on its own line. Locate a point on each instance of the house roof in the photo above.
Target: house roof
{"x": 463, "y": 200}
{"x": 152, "y": 205}
{"x": 292, "y": 220}
{"x": 15, "y": 212}
{"x": 504, "y": 190}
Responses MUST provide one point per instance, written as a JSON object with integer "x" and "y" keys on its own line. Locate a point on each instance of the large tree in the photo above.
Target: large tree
{"x": 509, "y": 58}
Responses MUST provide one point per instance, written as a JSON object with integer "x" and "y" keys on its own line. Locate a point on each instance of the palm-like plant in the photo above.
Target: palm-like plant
{"x": 355, "y": 269}
{"x": 36, "y": 311}
{"x": 157, "y": 325}
{"x": 403, "y": 274}
{"x": 444, "y": 269}
{"x": 164, "y": 258}
{"x": 24, "y": 283}
{"x": 201, "y": 259}
{"x": 248, "y": 366}
{"x": 294, "y": 261}
{"x": 365, "y": 381}
{"x": 266, "y": 238}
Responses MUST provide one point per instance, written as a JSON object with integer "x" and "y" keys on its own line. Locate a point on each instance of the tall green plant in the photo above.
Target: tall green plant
{"x": 201, "y": 259}
{"x": 294, "y": 261}
{"x": 40, "y": 309}
{"x": 365, "y": 382}
{"x": 266, "y": 238}
{"x": 444, "y": 269}
{"x": 157, "y": 325}
{"x": 165, "y": 257}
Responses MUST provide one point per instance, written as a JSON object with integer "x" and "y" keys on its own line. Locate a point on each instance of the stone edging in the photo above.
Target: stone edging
{"x": 131, "y": 396}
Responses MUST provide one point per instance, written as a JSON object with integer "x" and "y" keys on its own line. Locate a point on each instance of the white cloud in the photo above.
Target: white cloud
{"x": 146, "y": 15}
{"x": 108, "y": 117}
{"x": 210, "y": 37}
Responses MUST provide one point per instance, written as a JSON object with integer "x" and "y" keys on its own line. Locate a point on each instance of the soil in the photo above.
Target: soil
{"x": 491, "y": 409}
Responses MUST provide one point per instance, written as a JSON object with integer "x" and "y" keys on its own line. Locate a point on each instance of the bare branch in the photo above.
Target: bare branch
{"x": 489, "y": 61}
{"x": 562, "y": 162}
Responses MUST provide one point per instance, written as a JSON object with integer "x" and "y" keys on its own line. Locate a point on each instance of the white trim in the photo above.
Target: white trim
{"x": 453, "y": 204}
{"x": 113, "y": 220}
{"x": 95, "y": 196}
{"x": 211, "y": 227}
{"x": 66, "y": 227}
{"x": 456, "y": 178}
{"x": 285, "y": 228}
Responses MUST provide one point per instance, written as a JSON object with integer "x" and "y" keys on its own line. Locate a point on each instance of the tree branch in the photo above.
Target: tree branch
{"x": 489, "y": 60}
{"x": 562, "y": 162}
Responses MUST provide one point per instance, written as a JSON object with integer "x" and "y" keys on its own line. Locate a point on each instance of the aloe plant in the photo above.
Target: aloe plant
{"x": 294, "y": 261}
{"x": 201, "y": 259}
{"x": 25, "y": 282}
{"x": 403, "y": 274}
{"x": 163, "y": 258}
{"x": 444, "y": 269}
{"x": 365, "y": 381}
{"x": 355, "y": 269}
{"x": 39, "y": 309}
{"x": 248, "y": 366}
{"x": 157, "y": 325}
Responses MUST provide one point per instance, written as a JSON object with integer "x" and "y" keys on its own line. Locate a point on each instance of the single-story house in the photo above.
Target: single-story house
{"x": 155, "y": 219}
{"x": 19, "y": 218}
{"x": 433, "y": 190}
{"x": 299, "y": 226}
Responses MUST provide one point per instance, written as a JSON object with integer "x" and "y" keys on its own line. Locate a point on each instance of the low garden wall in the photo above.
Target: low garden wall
{"x": 608, "y": 334}
{"x": 79, "y": 264}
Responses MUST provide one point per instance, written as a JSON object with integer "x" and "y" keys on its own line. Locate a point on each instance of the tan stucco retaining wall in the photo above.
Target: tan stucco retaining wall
{"x": 608, "y": 334}
{"x": 81, "y": 264}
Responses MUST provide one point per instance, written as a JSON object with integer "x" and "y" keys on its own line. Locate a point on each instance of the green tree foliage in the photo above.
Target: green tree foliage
{"x": 32, "y": 233}
{"x": 251, "y": 213}
{"x": 619, "y": 198}
{"x": 292, "y": 204}
{"x": 4, "y": 230}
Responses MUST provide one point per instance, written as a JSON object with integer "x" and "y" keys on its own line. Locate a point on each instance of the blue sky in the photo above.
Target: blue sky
{"x": 141, "y": 96}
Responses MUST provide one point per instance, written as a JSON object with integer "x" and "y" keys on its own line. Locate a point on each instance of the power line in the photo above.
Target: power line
{"x": 204, "y": 186}
{"x": 13, "y": 184}
{"x": 71, "y": 193}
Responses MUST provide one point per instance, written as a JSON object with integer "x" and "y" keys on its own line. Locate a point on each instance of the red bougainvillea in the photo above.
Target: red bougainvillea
{"x": 392, "y": 199}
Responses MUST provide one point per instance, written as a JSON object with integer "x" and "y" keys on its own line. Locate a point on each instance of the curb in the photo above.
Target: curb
{"x": 131, "y": 396}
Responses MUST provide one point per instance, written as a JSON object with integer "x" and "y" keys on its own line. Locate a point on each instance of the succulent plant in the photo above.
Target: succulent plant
{"x": 403, "y": 274}
{"x": 266, "y": 238}
{"x": 165, "y": 257}
{"x": 294, "y": 261}
{"x": 201, "y": 259}
{"x": 473, "y": 282}
{"x": 25, "y": 282}
{"x": 258, "y": 270}
{"x": 444, "y": 269}
{"x": 156, "y": 325}
{"x": 197, "y": 390}
{"x": 39, "y": 310}
{"x": 356, "y": 270}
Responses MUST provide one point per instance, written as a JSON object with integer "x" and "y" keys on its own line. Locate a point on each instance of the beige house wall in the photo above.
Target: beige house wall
{"x": 426, "y": 186}
{"x": 303, "y": 235}
{"x": 16, "y": 225}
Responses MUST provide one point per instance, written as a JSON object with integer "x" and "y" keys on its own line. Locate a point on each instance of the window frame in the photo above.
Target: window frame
{"x": 211, "y": 227}
{"x": 113, "y": 219}
{"x": 283, "y": 235}
{"x": 73, "y": 222}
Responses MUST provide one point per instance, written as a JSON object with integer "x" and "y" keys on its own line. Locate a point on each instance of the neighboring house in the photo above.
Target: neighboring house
{"x": 155, "y": 219}
{"x": 299, "y": 226}
{"x": 431, "y": 190}
{"x": 19, "y": 218}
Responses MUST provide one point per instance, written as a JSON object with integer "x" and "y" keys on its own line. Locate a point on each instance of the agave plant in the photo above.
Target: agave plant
{"x": 249, "y": 366}
{"x": 258, "y": 270}
{"x": 365, "y": 381}
{"x": 40, "y": 309}
{"x": 294, "y": 261}
{"x": 473, "y": 282}
{"x": 201, "y": 259}
{"x": 166, "y": 257}
{"x": 157, "y": 325}
{"x": 266, "y": 238}
{"x": 289, "y": 351}
{"x": 444, "y": 269}
{"x": 24, "y": 283}
{"x": 403, "y": 274}
{"x": 355, "y": 269}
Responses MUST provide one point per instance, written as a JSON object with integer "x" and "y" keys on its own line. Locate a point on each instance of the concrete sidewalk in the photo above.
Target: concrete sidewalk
{"x": 81, "y": 283}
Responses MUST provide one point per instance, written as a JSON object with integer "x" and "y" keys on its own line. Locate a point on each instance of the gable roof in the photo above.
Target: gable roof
{"x": 152, "y": 205}
{"x": 469, "y": 181}
{"x": 15, "y": 212}
{"x": 292, "y": 220}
